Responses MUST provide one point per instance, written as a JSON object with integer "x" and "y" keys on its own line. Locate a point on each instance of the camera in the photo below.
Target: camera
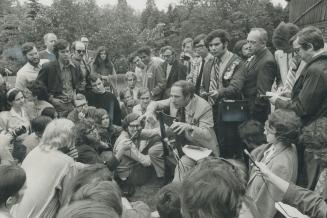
{"x": 18, "y": 131}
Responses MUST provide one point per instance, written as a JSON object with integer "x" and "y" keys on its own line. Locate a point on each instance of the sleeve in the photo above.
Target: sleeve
{"x": 157, "y": 105}
{"x": 309, "y": 99}
{"x": 183, "y": 72}
{"x": 201, "y": 132}
{"x": 236, "y": 84}
{"x": 117, "y": 113}
{"x": 138, "y": 156}
{"x": 133, "y": 153}
{"x": 266, "y": 76}
{"x": 269, "y": 194}
{"x": 160, "y": 82}
{"x": 20, "y": 81}
{"x": 306, "y": 201}
{"x": 64, "y": 187}
{"x": 43, "y": 76}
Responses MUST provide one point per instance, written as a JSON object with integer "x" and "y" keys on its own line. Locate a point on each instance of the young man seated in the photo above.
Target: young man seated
{"x": 145, "y": 154}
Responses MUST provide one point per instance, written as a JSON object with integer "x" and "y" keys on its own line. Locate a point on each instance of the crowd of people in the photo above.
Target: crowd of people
{"x": 225, "y": 132}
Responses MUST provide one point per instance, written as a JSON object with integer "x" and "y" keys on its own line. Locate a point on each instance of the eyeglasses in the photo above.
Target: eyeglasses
{"x": 167, "y": 56}
{"x": 215, "y": 44}
{"x": 82, "y": 105}
{"x": 199, "y": 46}
{"x": 136, "y": 126}
{"x": 269, "y": 129}
{"x": 80, "y": 51}
{"x": 92, "y": 130}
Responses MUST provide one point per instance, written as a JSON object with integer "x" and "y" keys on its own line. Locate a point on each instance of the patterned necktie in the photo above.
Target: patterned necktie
{"x": 199, "y": 79}
{"x": 214, "y": 80}
{"x": 321, "y": 184}
{"x": 291, "y": 75}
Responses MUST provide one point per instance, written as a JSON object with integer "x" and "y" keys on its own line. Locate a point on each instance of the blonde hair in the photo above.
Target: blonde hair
{"x": 58, "y": 134}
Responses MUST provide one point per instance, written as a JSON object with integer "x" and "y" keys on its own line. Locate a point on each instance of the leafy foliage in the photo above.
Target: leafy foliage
{"x": 122, "y": 30}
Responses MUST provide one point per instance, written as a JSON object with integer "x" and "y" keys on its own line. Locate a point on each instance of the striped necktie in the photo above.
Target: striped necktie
{"x": 291, "y": 75}
{"x": 321, "y": 184}
{"x": 214, "y": 80}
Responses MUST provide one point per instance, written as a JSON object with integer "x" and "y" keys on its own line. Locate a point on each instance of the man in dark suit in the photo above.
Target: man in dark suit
{"x": 62, "y": 78}
{"x": 173, "y": 69}
{"x": 256, "y": 77}
{"x": 217, "y": 73}
{"x": 309, "y": 94}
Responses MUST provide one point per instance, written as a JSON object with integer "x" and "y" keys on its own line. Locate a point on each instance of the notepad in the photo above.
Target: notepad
{"x": 196, "y": 153}
{"x": 289, "y": 211}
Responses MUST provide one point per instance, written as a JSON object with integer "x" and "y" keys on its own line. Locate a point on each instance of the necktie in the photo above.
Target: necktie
{"x": 199, "y": 79}
{"x": 214, "y": 80}
{"x": 180, "y": 139}
{"x": 291, "y": 75}
{"x": 180, "y": 115}
{"x": 321, "y": 184}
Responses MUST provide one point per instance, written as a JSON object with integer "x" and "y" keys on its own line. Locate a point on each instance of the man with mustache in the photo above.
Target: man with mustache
{"x": 31, "y": 69}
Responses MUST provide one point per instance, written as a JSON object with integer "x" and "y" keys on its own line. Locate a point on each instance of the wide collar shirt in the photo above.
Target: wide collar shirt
{"x": 28, "y": 73}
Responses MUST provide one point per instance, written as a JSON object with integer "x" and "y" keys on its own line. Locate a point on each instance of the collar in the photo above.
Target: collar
{"x": 49, "y": 51}
{"x": 35, "y": 68}
{"x": 260, "y": 52}
{"x": 14, "y": 114}
{"x": 225, "y": 56}
{"x": 208, "y": 57}
{"x": 319, "y": 53}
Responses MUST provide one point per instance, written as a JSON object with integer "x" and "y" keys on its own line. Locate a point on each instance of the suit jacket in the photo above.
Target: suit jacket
{"x": 309, "y": 94}
{"x": 178, "y": 72}
{"x": 307, "y": 202}
{"x": 228, "y": 72}
{"x": 254, "y": 79}
{"x": 283, "y": 162}
{"x": 50, "y": 75}
{"x": 154, "y": 78}
{"x": 199, "y": 114}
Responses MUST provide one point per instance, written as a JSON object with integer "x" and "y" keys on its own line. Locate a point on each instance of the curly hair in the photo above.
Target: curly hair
{"x": 219, "y": 33}
{"x": 314, "y": 136}
{"x": 97, "y": 115}
{"x": 81, "y": 130}
{"x": 38, "y": 90}
{"x": 287, "y": 125}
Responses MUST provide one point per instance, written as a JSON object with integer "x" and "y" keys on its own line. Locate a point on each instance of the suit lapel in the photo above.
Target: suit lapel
{"x": 172, "y": 72}
{"x": 207, "y": 73}
{"x": 256, "y": 59}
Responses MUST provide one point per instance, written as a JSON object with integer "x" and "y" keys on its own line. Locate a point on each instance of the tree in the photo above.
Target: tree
{"x": 150, "y": 16}
{"x": 34, "y": 8}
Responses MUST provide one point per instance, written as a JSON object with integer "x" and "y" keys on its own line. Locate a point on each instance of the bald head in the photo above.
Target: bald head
{"x": 49, "y": 40}
{"x": 257, "y": 40}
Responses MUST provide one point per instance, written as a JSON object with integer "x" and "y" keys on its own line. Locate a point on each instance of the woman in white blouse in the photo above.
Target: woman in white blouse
{"x": 11, "y": 121}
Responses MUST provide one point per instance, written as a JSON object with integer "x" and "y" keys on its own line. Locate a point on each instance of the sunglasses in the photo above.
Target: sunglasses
{"x": 80, "y": 51}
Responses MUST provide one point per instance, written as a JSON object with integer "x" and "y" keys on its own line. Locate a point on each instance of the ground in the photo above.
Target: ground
{"x": 147, "y": 192}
